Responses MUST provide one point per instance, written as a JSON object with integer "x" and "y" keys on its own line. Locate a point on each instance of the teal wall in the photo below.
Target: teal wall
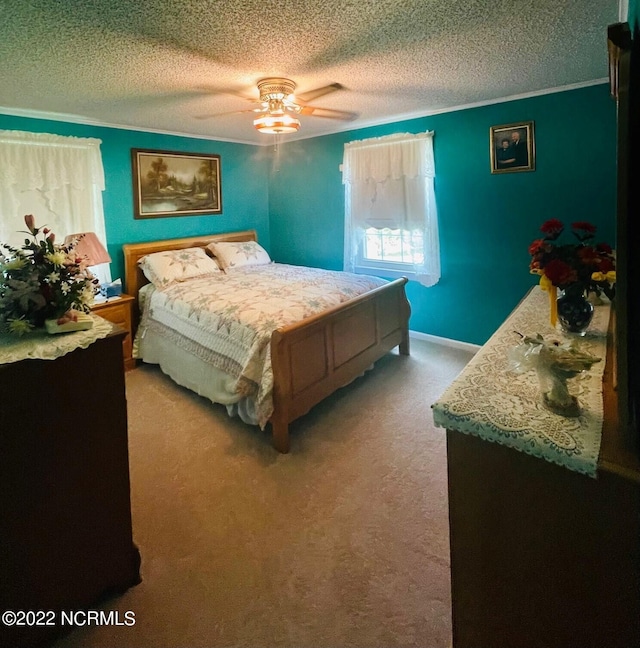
{"x": 486, "y": 221}
{"x": 633, "y": 15}
{"x": 244, "y": 178}
{"x": 296, "y": 201}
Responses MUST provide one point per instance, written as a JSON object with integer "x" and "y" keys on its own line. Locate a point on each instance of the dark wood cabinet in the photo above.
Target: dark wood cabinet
{"x": 541, "y": 557}
{"x": 65, "y": 517}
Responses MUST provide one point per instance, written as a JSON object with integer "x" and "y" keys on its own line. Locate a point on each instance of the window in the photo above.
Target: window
{"x": 395, "y": 248}
{"x": 391, "y": 223}
{"x": 58, "y": 179}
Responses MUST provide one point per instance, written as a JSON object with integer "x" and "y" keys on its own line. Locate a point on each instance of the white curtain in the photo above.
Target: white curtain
{"x": 389, "y": 183}
{"x": 58, "y": 179}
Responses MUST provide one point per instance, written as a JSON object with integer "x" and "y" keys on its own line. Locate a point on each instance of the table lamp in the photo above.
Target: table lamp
{"x": 88, "y": 245}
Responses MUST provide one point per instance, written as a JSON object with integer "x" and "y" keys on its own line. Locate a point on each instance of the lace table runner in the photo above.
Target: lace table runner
{"x": 491, "y": 401}
{"x": 40, "y": 345}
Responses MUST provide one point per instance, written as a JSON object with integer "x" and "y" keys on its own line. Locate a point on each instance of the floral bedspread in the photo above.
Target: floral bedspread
{"x": 227, "y": 319}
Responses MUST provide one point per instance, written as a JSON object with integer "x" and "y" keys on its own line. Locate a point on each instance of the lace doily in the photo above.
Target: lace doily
{"x": 491, "y": 401}
{"x": 40, "y": 345}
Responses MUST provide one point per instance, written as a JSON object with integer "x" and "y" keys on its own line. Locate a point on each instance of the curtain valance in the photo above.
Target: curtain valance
{"x": 46, "y": 162}
{"x": 403, "y": 155}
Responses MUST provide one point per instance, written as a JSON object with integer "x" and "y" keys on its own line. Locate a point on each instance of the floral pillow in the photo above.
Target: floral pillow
{"x": 163, "y": 269}
{"x": 236, "y": 255}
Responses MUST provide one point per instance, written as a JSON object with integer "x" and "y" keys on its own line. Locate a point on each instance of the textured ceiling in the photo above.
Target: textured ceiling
{"x": 158, "y": 64}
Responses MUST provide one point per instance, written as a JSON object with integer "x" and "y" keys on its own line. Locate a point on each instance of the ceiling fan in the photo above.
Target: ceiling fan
{"x": 277, "y": 106}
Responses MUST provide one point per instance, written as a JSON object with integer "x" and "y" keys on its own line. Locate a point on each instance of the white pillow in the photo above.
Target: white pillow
{"x": 236, "y": 255}
{"x": 163, "y": 269}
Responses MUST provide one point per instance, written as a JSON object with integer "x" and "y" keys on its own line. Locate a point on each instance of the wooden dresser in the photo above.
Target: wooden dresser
{"x": 542, "y": 556}
{"x": 65, "y": 516}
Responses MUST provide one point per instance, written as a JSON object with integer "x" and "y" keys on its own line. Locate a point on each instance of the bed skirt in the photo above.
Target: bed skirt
{"x": 197, "y": 375}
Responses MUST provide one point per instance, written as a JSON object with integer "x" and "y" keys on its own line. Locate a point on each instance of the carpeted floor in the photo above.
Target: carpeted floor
{"x": 343, "y": 542}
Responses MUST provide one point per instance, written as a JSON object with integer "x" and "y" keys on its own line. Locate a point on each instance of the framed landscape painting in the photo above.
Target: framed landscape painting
{"x": 168, "y": 183}
{"x": 512, "y": 148}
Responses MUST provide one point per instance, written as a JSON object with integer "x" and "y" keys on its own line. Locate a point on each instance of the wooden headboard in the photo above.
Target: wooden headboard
{"x": 134, "y": 278}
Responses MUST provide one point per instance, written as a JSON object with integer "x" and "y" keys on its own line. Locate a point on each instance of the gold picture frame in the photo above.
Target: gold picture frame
{"x": 171, "y": 183}
{"x": 512, "y": 148}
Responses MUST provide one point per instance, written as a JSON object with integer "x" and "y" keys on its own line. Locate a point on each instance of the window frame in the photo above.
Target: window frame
{"x": 396, "y": 269}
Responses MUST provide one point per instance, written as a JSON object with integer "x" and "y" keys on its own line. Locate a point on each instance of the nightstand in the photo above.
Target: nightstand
{"x": 119, "y": 311}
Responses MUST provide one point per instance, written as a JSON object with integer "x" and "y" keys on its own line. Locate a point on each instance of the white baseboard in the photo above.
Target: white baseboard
{"x": 455, "y": 344}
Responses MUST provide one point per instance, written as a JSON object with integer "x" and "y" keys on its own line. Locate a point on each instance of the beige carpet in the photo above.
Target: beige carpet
{"x": 343, "y": 542}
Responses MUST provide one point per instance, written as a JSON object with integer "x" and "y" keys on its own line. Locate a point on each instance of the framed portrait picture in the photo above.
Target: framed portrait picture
{"x": 512, "y": 148}
{"x": 169, "y": 183}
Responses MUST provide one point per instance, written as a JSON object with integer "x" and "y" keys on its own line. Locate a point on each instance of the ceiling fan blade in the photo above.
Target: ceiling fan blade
{"x": 214, "y": 90}
{"x": 231, "y": 112}
{"x": 328, "y": 113}
{"x": 318, "y": 92}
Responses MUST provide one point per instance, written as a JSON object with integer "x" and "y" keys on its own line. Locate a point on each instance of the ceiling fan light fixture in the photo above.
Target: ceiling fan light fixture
{"x": 276, "y": 124}
{"x": 275, "y": 88}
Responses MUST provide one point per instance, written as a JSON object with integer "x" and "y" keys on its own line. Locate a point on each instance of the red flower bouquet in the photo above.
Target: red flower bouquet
{"x": 583, "y": 266}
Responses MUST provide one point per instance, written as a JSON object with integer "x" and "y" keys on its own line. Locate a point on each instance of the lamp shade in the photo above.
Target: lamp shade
{"x": 276, "y": 123}
{"x": 88, "y": 245}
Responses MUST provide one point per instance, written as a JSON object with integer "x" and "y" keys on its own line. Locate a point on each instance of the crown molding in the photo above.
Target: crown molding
{"x": 76, "y": 119}
{"x": 478, "y": 104}
{"x": 86, "y": 121}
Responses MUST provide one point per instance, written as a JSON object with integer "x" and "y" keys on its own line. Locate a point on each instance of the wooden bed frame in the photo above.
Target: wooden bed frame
{"x": 312, "y": 358}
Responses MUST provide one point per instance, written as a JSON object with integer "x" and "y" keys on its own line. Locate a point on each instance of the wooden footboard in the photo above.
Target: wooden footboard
{"x": 315, "y": 357}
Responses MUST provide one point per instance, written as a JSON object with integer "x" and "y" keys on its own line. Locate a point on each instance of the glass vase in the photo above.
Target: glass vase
{"x": 575, "y": 312}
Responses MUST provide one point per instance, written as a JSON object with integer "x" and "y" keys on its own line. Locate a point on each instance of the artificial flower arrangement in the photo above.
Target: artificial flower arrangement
{"x": 591, "y": 267}
{"x": 583, "y": 266}
{"x": 41, "y": 281}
